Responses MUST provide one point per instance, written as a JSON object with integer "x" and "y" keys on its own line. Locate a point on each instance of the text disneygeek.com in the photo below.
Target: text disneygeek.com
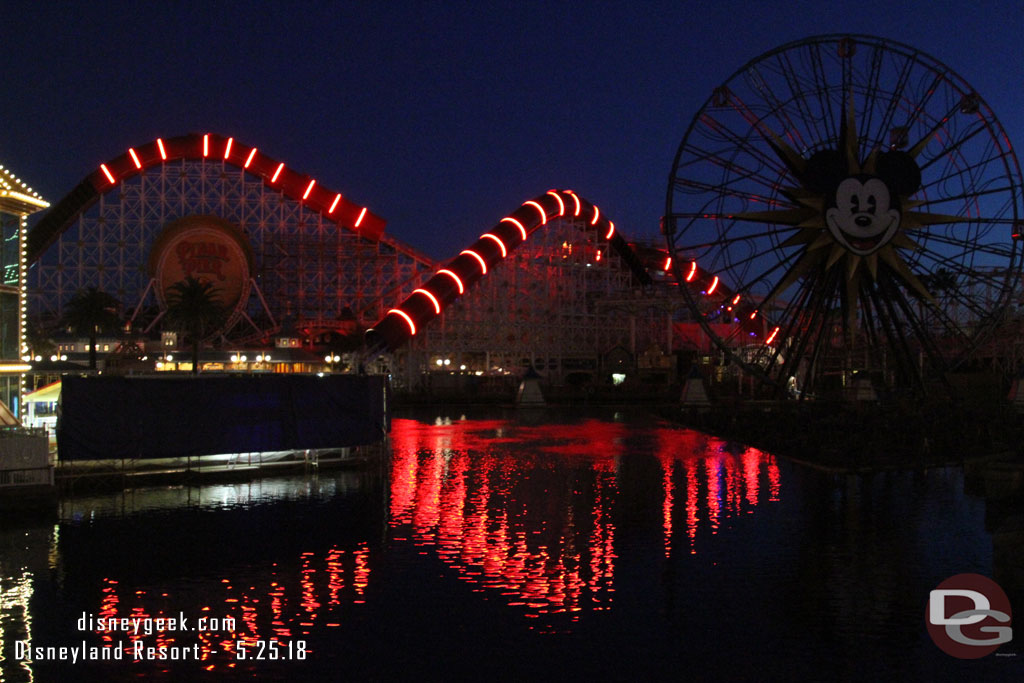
{"x": 136, "y": 646}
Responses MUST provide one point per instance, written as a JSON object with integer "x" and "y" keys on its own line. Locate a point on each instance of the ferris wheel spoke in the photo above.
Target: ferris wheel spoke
{"x": 873, "y": 81}
{"x": 742, "y": 172}
{"x": 724, "y": 190}
{"x": 740, "y": 142}
{"x": 948, "y": 282}
{"x": 816, "y": 313}
{"x": 725, "y": 241}
{"x": 963, "y": 250}
{"x": 779, "y": 109}
{"x": 945, "y": 153}
{"x": 748, "y": 284}
{"x": 811, "y": 121}
{"x": 915, "y": 320}
{"x": 972, "y": 195}
{"x": 919, "y": 108}
{"x": 894, "y": 99}
{"x": 889, "y": 326}
{"x": 821, "y": 88}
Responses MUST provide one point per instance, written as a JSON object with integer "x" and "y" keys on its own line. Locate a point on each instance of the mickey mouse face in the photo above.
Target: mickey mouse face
{"x": 863, "y": 219}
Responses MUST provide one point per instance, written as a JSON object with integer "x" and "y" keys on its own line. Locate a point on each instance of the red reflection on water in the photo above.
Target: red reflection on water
{"x": 536, "y": 522}
{"x": 667, "y": 465}
{"x": 284, "y": 605}
{"x": 752, "y": 473}
{"x": 731, "y": 481}
{"x": 712, "y": 469}
{"x": 545, "y": 550}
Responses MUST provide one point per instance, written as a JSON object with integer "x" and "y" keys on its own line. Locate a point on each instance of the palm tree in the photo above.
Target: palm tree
{"x": 90, "y": 312}
{"x": 193, "y": 308}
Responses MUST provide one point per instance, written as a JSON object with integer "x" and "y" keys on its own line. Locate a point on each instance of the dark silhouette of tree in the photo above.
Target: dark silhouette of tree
{"x": 193, "y": 308}
{"x": 39, "y": 341}
{"x": 91, "y": 312}
{"x": 943, "y": 282}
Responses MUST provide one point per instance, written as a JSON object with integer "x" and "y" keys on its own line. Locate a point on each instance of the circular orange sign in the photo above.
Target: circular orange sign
{"x": 208, "y": 249}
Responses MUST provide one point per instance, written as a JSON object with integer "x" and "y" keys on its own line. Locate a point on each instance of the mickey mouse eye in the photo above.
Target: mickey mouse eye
{"x": 872, "y": 204}
{"x": 855, "y": 203}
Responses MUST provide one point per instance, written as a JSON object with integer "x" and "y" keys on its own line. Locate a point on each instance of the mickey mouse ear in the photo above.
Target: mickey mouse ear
{"x": 899, "y": 170}
{"x": 824, "y": 171}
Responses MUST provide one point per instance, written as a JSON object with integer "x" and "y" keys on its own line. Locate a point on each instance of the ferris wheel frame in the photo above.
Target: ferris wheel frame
{"x": 761, "y": 257}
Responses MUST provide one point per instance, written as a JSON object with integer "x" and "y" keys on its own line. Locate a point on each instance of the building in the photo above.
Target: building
{"x": 17, "y": 202}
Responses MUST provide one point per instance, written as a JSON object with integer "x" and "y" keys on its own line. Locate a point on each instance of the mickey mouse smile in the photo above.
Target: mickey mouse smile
{"x": 863, "y": 219}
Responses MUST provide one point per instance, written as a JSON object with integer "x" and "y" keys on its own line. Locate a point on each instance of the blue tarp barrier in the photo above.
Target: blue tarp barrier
{"x": 161, "y": 417}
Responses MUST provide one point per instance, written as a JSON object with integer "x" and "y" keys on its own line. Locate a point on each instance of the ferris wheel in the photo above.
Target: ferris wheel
{"x": 846, "y": 203}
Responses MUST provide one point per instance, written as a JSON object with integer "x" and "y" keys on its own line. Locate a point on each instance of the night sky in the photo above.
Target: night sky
{"x": 442, "y": 117}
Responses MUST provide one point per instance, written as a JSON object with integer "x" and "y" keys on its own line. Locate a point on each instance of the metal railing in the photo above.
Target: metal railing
{"x": 29, "y": 476}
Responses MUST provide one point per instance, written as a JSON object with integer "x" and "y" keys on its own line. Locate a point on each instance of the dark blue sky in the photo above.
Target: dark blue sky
{"x": 442, "y": 117}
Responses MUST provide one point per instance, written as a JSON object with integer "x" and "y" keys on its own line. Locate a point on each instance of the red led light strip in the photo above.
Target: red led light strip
{"x": 412, "y": 325}
{"x": 478, "y": 257}
{"x": 543, "y": 216}
{"x": 455, "y": 277}
{"x": 577, "y": 200}
{"x": 558, "y": 198}
{"x": 433, "y": 299}
{"x": 516, "y": 223}
{"x": 504, "y": 251}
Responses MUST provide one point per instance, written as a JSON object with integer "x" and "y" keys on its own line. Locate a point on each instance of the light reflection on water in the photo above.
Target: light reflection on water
{"x": 550, "y": 548}
{"x": 618, "y": 547}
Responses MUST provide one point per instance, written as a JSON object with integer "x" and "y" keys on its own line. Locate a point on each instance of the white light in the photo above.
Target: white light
{"x": 327, "y": 358}
{"x": 266, "y": 357}
{"x": 440, "y": 362}
{"x": 170, "y": 358}
{"x": 462, "y": 367}
{"x": 53, "y": 357}
{"x": 242, "y": 358}
{"x": 447, "y": 361}
{"x": 234, "y": 358}
{"x": 38, "y": 358}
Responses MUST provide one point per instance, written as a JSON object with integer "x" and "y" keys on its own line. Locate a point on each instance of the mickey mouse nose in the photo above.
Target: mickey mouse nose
{"x": 862, "y": 221}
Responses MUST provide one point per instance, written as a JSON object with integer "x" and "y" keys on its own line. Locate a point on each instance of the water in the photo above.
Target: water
{"x": 509, "y": 545}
